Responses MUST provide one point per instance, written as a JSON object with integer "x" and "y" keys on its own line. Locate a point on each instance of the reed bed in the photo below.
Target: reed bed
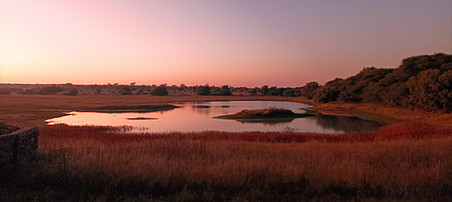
{"x": 409, "y": 161}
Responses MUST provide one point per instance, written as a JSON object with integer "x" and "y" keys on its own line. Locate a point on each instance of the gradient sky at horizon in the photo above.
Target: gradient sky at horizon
{"x": 193, "y": 42}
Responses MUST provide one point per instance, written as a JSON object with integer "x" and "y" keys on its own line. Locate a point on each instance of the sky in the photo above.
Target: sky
{"x": 194, "y": 42}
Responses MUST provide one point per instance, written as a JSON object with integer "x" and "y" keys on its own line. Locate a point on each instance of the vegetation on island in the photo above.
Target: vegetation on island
{"x": 270, "y": 113}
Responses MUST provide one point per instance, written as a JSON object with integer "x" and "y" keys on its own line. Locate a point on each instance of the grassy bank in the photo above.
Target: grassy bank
{"x": 404, "y": 161}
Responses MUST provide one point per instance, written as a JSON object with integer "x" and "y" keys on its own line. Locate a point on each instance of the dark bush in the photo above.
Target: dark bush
{"x": 309, "y": 89}
{"x": 224, "y": 91}
{"x": 159, "y": 90}
{"x": 203, "y": 90}
{"x": 264, "y": 90}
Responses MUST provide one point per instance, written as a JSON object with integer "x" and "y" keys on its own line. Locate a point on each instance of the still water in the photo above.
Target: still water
{"x": 192, "y": 117}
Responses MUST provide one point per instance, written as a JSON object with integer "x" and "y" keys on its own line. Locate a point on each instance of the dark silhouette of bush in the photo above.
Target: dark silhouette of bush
{"x": 71, "y": 92}
{"x": 225, "y": 91}
{"x": 254, "y": 91}
{"x": 203, "y": 90}
{"x": 50, "y": 90}
{"x": 309, "y": 89}
{"x": 159, "y": 90}
{"x": 329, "y": 92}
{"x": 264, "y": 90}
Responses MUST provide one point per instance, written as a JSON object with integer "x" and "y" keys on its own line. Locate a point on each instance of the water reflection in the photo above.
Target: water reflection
{"x": 192, "y": 117}
{"x": 346, "y": 123}
{"x": 266, "y": 121}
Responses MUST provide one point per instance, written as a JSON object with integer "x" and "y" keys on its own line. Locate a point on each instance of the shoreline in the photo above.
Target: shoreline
{"x": 35, "y": 109}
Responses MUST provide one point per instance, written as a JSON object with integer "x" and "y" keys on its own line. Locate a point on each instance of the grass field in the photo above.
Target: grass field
{"x": 403, "y": 161}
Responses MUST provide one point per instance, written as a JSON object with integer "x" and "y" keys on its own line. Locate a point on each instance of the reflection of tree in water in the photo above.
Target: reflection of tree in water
{"x": 346, "y": 123}
{"x": 201, "y": 109}
{"x": 266, "y": 121}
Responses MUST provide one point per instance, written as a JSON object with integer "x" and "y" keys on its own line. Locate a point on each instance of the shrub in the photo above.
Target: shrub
{"x": 224, "y": 91}
{"x": 264, "y": 90}
{"x": 203, "y": 90}
{"x": 309, "y": 89}
{"x": 159, "y": 90}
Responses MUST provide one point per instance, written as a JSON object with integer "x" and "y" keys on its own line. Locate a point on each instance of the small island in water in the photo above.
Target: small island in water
{"x": 271, "y": 113}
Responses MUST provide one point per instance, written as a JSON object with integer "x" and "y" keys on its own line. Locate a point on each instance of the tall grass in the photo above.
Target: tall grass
{"x": 405, "y": 161}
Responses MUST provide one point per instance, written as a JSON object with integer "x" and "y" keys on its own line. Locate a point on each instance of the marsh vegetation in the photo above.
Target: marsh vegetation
{"x": 399, "y": 162}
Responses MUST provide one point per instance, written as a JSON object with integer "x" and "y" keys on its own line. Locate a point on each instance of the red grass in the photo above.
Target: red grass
{"x": 414, "y": 131}
{"x": 112, "y": 134}
{"x": 403, "y": 158}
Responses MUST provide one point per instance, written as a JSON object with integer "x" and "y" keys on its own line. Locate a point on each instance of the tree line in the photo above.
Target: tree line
{"x": 423, "y": 82}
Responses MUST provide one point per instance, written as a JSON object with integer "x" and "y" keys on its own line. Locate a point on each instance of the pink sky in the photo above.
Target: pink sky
{"x": 240, "y": 43}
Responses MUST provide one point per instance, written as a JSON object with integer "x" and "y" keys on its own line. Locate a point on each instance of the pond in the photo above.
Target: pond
{"x": 193, "y": 117}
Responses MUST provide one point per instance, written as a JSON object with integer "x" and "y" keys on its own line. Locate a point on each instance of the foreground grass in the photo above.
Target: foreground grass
{"x": 405, "y": 161}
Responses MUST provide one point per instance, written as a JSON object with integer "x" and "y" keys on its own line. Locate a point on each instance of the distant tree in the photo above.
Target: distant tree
{"x": 225, "y": 91}
{"x": 264, "y": 90}
{"x": 309, "y": 89}
{"x": 203, "y": 90}
{"x": 254, "y": 91}
{"x": 289, "y": 92}
{"x": 329, "y": 92}
{"x": 159, "y": 90}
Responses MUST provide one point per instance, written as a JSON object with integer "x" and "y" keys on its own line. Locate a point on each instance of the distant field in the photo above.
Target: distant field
{"x": 403, "y": 161}
{"x": 34, "y": 109}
